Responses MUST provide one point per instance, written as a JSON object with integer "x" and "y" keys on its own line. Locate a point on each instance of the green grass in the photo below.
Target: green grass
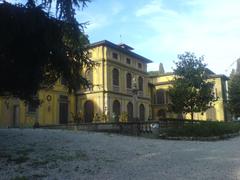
{"x": 203, "y": 129}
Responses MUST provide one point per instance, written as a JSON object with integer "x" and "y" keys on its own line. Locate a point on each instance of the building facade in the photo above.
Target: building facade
{"x": 160, "y": 99}
{"x": 119, "y": 70}
{"x": 55, "y": 108}
{"x": 120, "y": 89}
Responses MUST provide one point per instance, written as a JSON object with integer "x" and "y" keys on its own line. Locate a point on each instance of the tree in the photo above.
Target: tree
{"x": 234, "y": 94}
{"x": 191, "y": 92}
{"x": 37, "y": 49}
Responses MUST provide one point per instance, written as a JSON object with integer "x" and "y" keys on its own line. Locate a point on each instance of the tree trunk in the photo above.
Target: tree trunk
{"x": 192, "y": 115}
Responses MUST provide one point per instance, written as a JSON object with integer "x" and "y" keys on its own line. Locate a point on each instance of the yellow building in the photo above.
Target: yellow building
{"x": 56, "y": 107}
{"x": 118, "y": 70}
{"x": 160, "y": 98}
{"x": 121, "y": 90}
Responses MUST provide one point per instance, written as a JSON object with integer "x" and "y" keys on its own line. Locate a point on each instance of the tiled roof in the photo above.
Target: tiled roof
{"x": 121, "y": 49}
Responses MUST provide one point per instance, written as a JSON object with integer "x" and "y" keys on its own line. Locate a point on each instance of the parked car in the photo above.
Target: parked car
{"x": 155, "y": 128}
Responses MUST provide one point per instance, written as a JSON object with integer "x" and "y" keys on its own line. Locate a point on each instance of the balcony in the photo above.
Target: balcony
{"x": 129, "y": 91}
{"x": 116, "y": 88}
{"x": 140, "y": 93}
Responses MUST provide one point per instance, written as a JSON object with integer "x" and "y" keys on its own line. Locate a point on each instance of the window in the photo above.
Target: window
{"x": 128, "y": 61}
{"x": 115, "y": 55}
{"x": 141, "y": 112}
{"x": 32, "y": 107}
{"x": 115, "y": 76}
{"x": 63, "y": 98}
{"x": 129, "y": 80}
{"x": 89, "y": 75}
{"x": 160, "y": 96}
{"x": 140, "y": 83}
{"x": 139, "y": 65}
{"x": 116, "y": 110}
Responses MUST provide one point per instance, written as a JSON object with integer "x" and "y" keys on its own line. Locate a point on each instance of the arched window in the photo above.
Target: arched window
{"x": 140, "y": 83}
{"x": 160, "y": 96}
{"x": 115, "y": 77}
{"x": 141, "y": 112}
{"x": 130, "y": 111}
{"x": 89, "y": 75}
{"x": 129, "y": 80}
{"x": 116, "y": 110}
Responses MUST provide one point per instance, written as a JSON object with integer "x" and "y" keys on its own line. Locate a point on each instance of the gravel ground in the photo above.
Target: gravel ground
{"x": 62, "y": 154}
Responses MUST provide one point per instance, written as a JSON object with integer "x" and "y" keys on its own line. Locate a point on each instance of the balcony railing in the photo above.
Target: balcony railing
{"x": 129, "y": 91}
{"x": 115, "y": 88}
{"x": 140, "y": 93}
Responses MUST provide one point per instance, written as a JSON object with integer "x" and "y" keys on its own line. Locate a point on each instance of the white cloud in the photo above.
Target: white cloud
{"x": 211, "y": 29}
{"x": 97, "y": 22}
{"x": 150, "y": 8}
{"x": 116, "y": 7}
{"x": 154, "y": 7}
{"x": 99, "y": 19}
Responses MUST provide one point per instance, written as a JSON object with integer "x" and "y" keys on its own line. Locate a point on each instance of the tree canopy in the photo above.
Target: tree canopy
{"x": 37, "y": 49}
{"x": 190, "y": 91}
{"x": 234, "y": 94}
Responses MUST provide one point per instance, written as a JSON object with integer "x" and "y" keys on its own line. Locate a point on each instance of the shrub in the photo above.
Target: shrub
{"x": 203, "y": 129}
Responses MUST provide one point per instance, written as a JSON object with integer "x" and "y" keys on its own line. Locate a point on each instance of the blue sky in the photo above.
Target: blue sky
{"x": 161, "y": 29}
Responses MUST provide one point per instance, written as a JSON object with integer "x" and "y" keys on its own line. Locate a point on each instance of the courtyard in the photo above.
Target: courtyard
{"x": 64, "y": 154}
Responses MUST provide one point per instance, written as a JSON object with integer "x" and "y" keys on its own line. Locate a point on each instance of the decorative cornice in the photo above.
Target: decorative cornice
{"x": 112, "y": 92}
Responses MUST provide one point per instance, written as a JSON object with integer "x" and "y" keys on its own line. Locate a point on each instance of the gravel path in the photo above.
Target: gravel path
{"x": 62, "y": 154}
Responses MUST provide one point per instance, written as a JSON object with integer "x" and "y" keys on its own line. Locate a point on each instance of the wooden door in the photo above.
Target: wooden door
{"x": 116, "y": 110}
{"x": 88, "y": 111}
{"x": 63, "y": 110}
{"x": 141, "y": 112}
{"x": 15, "y": 116}
{"x": 130, "y": 111}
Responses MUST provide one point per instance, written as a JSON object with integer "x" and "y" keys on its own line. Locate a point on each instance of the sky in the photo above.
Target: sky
{"x": 162, "y": 29}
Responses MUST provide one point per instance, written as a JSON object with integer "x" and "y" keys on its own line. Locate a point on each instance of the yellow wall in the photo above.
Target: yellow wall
{"x": 217, "y": 112}
{"x": 47, "y": 113}
{"x": 104, "y": 93}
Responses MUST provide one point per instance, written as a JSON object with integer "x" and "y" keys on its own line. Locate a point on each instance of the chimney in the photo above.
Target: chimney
{"x": 125, "y": 46}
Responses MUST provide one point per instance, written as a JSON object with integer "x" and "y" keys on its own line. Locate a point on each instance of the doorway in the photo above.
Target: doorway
{"x": 15, "y": 116}
{"x": 141, "y": 112}
{"x": 63, "y": 109}
{"x": 88, "y": 111}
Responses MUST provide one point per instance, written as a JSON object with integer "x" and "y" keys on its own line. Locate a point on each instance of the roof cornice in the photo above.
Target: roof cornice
{"x": 119, "y": 48}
